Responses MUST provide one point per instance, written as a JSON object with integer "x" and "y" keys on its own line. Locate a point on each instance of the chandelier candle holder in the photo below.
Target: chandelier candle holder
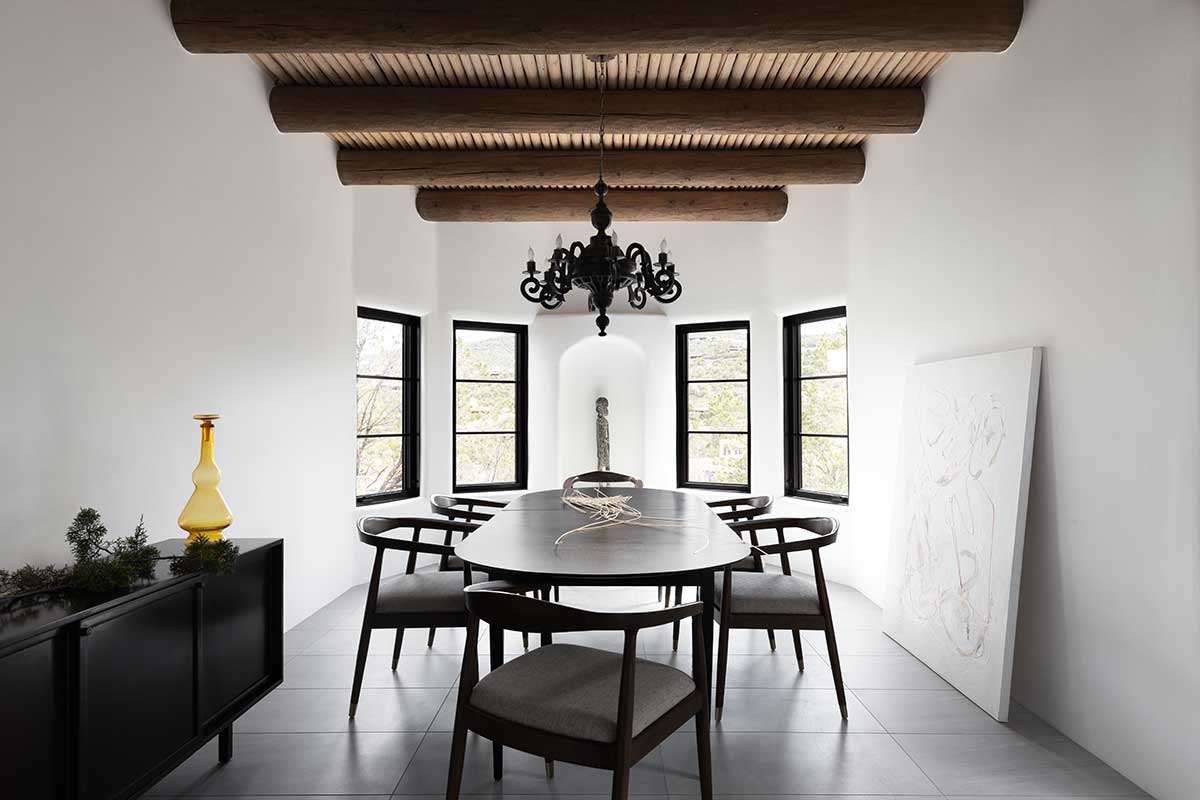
{"x": 601, "y": 267}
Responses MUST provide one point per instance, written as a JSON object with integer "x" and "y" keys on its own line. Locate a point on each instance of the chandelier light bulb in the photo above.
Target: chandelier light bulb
{"x": 558, "y": 242}
{"x": 662, "y": 247}
{"x": 616, "y": 241}
{"x": 530, "y": 254}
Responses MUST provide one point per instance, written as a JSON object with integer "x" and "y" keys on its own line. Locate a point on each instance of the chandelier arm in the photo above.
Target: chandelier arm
{"x": 637, "y": 296}
{"x": 531, "y": 289}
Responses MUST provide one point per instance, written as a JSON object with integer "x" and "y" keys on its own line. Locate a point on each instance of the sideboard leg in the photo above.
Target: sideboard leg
{"x": 225, "y": 744}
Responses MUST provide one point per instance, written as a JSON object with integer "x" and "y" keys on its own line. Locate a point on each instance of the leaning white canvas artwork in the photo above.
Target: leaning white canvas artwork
{"x": 958, "y": 527}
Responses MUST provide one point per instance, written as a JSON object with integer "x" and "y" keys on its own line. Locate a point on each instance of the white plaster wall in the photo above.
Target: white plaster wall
{"x": 164, "y": 252}
{"x": 1051, "y": 198}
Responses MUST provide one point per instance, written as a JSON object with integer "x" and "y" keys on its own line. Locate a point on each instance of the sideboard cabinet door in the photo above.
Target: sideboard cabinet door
{"x": 33, "y": 693}
{"x": 242, "y": 636}
{"x": 138, "y": 690}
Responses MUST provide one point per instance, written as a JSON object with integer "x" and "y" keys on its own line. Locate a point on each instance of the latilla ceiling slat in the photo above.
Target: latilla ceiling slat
{"x": 665, "y": 71}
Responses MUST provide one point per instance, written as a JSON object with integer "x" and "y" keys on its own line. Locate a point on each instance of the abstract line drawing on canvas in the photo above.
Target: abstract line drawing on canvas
{"x": 947, "y": 579}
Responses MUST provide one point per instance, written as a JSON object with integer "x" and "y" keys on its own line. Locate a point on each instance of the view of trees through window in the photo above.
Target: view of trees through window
{"x": 817, "y": 451}
{"x": 387, "y": 397}
{"x": 488, "y": 403}
{"x": 714, "y": 401}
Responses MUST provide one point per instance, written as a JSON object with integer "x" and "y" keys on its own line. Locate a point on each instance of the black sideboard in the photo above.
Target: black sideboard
{"x": 103, "y": 695}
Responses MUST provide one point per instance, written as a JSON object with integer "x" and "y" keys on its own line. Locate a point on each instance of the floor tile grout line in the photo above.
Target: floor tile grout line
{"x": 929, "y": 778}
{"x": 417, "y": 749}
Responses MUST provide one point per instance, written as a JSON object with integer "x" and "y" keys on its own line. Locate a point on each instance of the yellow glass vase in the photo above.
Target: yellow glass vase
{"x": 205, "y": 514}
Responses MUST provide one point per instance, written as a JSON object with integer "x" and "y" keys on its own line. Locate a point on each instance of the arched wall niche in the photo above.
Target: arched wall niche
{"x": 613, "y": 367}
{"x": 570, "y": 366}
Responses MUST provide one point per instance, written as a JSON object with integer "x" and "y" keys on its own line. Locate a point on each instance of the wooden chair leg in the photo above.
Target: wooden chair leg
{"x": 660, "y": 591}
{"x": 771, "y": 639}
{"x": 722, "y": 658}
{"x": 556, "y": 597}
{"x": 675, "y": 624}
{"x": 704, "y": 753}
{"x": 360, "y": 664}
{"x": 546, "y": 638}
{"x": 836, "y": 664}
{"x": 458, "y": 752}
{"x": 620, "y": 787}
{"x": 799, "y": 651}
{"x": 550, "y": 769}
{"x": 396, "y": 648}
{"x": 497, "y": 761}
{"x": 432, "y": 631}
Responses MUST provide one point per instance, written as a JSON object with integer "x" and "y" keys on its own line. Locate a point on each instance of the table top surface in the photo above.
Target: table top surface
{"x": 678, "y": 533}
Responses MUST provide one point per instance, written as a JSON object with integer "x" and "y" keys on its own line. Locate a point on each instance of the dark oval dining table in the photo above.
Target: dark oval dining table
{"x": 680, "y": 542}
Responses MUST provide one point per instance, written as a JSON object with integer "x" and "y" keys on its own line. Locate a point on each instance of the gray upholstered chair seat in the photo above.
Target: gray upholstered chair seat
{"x": 773, "y": 593}
{"x": 572, "y": 691}
{"x": 422, "y": 592}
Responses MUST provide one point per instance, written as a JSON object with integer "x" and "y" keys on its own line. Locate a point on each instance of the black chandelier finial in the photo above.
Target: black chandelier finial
{"x": 601, "y": 267}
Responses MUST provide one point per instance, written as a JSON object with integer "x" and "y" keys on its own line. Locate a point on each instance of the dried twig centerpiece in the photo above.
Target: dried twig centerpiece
{"x": 607, "y": 511}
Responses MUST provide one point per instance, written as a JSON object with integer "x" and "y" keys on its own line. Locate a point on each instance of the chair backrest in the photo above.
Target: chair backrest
{"x": 824, "y": 530}
{"x": 372, "y": 530}
{"x": 742, "y": 508}
{"x": 601, "y": 476}
{"x": 501, "y": 603}
{"x": 463, "y": 508}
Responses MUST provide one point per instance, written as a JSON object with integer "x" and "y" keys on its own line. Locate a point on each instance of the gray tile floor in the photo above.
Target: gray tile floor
{"x": 909, "y": 734}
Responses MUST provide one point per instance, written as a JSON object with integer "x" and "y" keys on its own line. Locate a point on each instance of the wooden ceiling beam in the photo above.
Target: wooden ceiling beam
{"x": 623, "y": 26}
{"x": 575, "y": 205}
{"x": 382, "y": 109}
{"x": 577, "y": 168}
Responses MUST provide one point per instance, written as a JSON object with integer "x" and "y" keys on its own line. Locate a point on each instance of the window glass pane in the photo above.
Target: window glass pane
{"x": 825, "y": 465}
{"x": 380, "y": 406}
{"x": 380, "y": 466}
{"x": 717, "y": 407}
{"x": 718, "y": 458}
{"x": 480, "y": 458}
{"x": 380, "y": 348}
{"x": 717, "y": 355}
{"x": 823, "y": 347}
{"x": 485, "y": 407}
{"x": 485, "y": 355}
{"x": 823, "y": 406}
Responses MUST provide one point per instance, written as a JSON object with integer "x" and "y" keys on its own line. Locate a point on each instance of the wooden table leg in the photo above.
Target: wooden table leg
{"x": 708, "y": 595}
{"x": 225, "y": 744}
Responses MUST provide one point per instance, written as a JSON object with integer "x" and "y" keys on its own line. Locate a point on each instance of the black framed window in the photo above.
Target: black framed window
{"x": 712, "y": 400}
{"x": 816, "y": 423}
{"x": 490, "y": 402}
{"x": 389, "y": 406}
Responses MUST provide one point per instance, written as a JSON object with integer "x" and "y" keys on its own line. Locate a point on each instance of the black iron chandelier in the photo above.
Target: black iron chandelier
{"x": 601, "y": 267}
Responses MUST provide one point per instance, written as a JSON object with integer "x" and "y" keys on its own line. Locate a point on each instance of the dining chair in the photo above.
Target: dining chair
{"x": 453, "y": 507}
{"x": 415, "y": 599}
{"x": 770, "y": 600}
{"x": 465, "y": 509}
{"x": 601, "y": 476}
{"x": 737, "y": 509}
{"x": 576, "y": 704}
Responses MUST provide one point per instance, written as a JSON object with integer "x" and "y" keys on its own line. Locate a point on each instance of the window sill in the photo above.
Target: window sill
{"x": 825, "y": 499}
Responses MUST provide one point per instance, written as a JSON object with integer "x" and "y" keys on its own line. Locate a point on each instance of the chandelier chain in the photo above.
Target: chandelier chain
{"x": 601, "y": 78}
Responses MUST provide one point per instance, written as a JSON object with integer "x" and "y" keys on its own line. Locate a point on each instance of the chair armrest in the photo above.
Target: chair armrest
{"x": 734, "y": 503}
{"x": 822, "y": 531}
